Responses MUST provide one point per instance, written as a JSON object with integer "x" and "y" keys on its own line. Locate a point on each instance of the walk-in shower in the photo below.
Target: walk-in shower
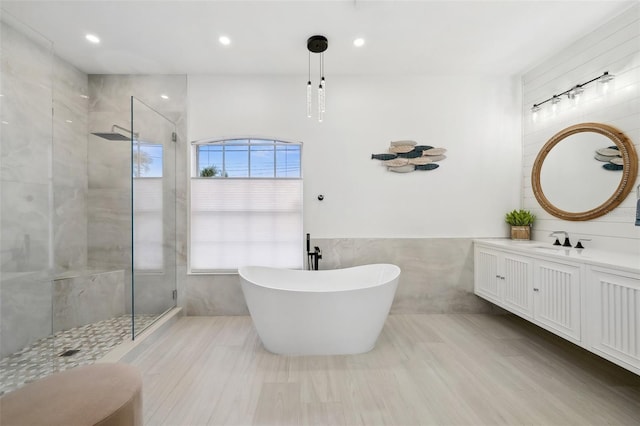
{"x": 87, "y": 218}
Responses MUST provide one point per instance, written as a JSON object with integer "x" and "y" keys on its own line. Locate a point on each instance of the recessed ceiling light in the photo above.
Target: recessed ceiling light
{"x": 68, "y": 121}
{"x": 224, "y": 40}
{"x": 163, "y": 96}
{"x": 359, "y": 42}
{"x": 92, "y": 38}
{"x": 84, "y": 96}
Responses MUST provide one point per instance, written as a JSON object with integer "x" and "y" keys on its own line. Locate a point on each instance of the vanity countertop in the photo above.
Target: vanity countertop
{"x": 607, "y": 259}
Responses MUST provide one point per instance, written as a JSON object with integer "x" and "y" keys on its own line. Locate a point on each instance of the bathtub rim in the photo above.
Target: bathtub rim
{"x": 322, "y": 275}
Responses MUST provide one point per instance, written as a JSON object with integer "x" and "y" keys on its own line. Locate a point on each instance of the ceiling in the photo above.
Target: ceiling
{"x": 269, "y": 37}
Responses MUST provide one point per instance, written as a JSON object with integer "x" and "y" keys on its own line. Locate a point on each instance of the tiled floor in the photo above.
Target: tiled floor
{"x": 43, "y": 357}
{"x": 430, "y": 369}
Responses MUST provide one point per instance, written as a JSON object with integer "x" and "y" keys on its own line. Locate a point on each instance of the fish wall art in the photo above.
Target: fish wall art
{"x": 407, "y": 156}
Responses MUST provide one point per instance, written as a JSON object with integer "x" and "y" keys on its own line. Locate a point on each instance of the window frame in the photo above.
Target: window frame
{"x": 195, "y": 155}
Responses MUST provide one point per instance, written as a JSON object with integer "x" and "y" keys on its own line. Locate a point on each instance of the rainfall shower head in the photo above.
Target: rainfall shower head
{"x": 116, "y": 136}
{"x": 113, "y": 136}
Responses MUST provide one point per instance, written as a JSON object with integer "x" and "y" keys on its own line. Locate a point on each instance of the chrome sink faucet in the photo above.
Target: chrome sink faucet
{"x": 566, "y": 238}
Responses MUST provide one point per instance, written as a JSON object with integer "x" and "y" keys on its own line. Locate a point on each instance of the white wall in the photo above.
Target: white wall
{"x": 475, "y": 118}
{"x": 614, "y": 47}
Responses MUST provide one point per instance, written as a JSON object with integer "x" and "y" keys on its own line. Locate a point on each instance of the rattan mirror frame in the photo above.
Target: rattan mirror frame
{"x": 629, "y": 171}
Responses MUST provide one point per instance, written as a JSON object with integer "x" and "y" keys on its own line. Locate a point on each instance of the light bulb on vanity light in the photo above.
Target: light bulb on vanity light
{"x": 575, "y": 95}
{"x": 605, "y": 82}
{"x": 555, "y": 101}
{"x": 535, "y": 110}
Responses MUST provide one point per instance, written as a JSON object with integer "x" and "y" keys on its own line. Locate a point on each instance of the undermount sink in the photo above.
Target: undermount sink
{"x": 551, "y": 248}
{"x": 542, "y": 247}
{"x": 561, "y": 250}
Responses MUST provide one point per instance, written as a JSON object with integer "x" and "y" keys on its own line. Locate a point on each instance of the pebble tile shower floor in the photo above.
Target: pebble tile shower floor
{"x": 43, "y": 358}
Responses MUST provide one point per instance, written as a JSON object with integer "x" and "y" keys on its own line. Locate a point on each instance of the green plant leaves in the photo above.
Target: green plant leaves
{"x": 520, "y": 218}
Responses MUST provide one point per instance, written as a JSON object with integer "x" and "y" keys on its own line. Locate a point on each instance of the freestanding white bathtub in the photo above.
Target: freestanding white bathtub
{"x": 331, "y": 312}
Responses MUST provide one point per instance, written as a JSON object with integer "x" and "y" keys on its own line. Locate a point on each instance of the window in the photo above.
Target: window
{"x": 147, "y": 206}
{"x": 147, "y": 160}
{"x": 246, "y": 205}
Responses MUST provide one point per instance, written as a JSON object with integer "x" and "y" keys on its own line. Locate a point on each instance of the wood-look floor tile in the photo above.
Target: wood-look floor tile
{"x": 441, "y": 369}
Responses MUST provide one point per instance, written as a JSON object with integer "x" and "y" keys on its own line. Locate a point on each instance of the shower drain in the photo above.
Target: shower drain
{"x": 69, "y": 352}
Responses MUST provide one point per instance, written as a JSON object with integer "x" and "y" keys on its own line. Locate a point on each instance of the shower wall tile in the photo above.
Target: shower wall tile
{"x": 182, "y": 213}
{"x": 86, "y": 299}
{"x": 69, "y": 152}
{"x": 26, "y": 130}
{"x": 109, "y": 164}
{"x": 214, "y": 295}
{"x": 70, "y": 228}
{"x": 70, "y": 117}
{"x": 109, "y": 227}
{"x": 25, "y": 52}
{"x": 112, "y": 93}
{"x": 25, "y": 179}
{"x": 26, "y": 106}
{"x": 24, "y": 220}
{"x": 25, "y": 304}
{"x": 437, "y": 276}
{"x": 154, "y": 292}
{"x": 109, "y": 173}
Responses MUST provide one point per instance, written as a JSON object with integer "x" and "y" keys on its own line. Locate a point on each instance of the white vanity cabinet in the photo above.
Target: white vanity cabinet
{"x": 588, "y": 297}
{"x": 544, "y": 292}
{"x": 504, "y": 279}
{"x": 614, "y": 315}
{"x": 557, "y": 297}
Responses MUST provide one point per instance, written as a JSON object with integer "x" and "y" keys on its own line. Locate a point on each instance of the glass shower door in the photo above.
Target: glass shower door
{"x": 153, "y": 153}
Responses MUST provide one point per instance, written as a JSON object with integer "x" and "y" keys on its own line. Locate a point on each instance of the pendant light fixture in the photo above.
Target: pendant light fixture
{"x": 317, "y": 44}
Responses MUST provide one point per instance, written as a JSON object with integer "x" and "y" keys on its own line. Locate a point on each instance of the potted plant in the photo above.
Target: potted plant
{"x": 520, "y": 221}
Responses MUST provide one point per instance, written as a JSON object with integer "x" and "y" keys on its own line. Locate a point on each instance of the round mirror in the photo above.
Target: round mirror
{"x": 584, "y": 171}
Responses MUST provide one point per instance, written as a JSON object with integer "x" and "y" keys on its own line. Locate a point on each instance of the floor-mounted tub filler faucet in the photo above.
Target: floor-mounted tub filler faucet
{"x": 313, "y": 256}
{"x": 566, "y": 238}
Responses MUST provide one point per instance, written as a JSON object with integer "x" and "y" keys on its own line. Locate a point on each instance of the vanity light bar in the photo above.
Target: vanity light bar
{"x": 573, "y": 91}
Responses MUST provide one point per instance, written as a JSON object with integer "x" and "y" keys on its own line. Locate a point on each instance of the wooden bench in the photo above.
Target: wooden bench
{"x": 97, "y": 394}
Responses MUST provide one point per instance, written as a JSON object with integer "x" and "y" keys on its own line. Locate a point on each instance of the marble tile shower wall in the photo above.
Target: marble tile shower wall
{"x": 437, "y": 276}
{"x": 27, "y": 88}
{"x": 109, "y": 205}
{"x": 70, "y": 120}
{"x": 25, "y": 173}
